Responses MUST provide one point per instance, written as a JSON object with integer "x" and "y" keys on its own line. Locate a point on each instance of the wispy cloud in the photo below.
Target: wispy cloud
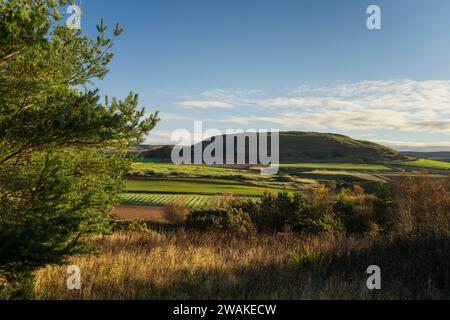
{"x": 403, "y": 105}
{"x": 175, "y": 117}
{"x": 222, "y": 98}
{"x": 205, "y": 104}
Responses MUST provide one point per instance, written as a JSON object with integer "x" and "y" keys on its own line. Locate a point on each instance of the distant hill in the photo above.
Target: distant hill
{"x": 327, "y": 147}
{"x": 297, "y": 147}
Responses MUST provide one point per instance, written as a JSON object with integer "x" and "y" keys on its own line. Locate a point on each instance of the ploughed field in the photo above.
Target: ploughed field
{"x": 154, "y": 184}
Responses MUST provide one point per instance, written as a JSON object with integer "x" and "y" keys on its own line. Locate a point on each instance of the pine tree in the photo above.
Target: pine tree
{"x": 62, "y": 150}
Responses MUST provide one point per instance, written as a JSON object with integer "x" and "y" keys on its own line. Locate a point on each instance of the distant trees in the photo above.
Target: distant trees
{"x": 409, "y": 206}
{"x": 62, "y": 151}
{"x": 421, "y": 205}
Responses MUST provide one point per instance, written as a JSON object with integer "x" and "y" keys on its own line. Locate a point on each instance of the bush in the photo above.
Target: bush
{"x": 407, "y": 206}
{"x": 226, "y": 201}
{"x": 309, "y": 259}
{"x": 137, "y": 225}
{"x": 234, "y": 220}
{"x": 310, "y": 212}
{"x": 328, "y": 224}
{"x": 273, "y": 213}
{"x": 357, "y": 210}
{"x": 176, "y": 214}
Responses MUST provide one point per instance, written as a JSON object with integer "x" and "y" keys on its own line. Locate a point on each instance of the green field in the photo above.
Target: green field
{"x": 196, "y": 185}
{"x": 336, "y": 166}
{"x": 339, "y": 174}
{"x": 162, "y": 200}
{"x": 152, "y": 183}
{"x": 186, "y": 170}
{"x": 239, "y": 177}
{"x": 427, "y": 164}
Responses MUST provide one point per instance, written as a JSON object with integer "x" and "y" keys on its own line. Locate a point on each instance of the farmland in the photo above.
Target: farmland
{"x": 160, "y": 200}
{"x": 154, "y": 183}
{"x": 336, "y": 166}
{"x": 307, "y": 161}
{"x": 192, "y": 185}
{"x": 428, "y": 164}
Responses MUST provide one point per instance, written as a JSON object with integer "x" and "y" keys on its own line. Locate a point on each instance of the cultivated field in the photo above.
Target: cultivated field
{"x": 195, "y": 185}
{"x": 336, "y": 166}
{"x": 428, "y": 164}
{"x": 148, "y": 213}
{"x": 156, "y": 184}
{"x": 160, "y": 200}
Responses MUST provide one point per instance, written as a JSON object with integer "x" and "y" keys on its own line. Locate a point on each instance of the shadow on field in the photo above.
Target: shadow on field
{"x": 411, "y": 268}
{"x": 414, "y": 268}
{"x": 180, "y": 265}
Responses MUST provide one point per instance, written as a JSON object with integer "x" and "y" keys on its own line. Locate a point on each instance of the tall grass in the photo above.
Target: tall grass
{"x": 203, "y": 265}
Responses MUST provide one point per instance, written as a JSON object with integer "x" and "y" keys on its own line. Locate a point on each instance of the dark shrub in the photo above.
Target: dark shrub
{"x": 273, "y": 213}
{"x": 137, "y": 225}
{"x": 357, "y": 210}
{"x": 233, "y": 219}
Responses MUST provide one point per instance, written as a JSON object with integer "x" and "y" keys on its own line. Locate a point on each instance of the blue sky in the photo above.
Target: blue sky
{"x": 309, "y": 65}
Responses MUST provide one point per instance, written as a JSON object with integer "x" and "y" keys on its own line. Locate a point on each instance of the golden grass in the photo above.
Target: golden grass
{"x": 194, "y": 265}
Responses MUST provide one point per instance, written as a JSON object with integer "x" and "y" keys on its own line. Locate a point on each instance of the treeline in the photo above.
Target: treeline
{"x": 407, "y": 206}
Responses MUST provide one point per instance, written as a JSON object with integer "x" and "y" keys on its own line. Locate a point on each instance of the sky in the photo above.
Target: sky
{"x": 306, "y": 65}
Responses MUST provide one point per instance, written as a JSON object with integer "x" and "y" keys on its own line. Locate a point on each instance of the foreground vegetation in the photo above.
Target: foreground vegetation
{"x": 316, "y": 245}
{"x": 218, "y": 265}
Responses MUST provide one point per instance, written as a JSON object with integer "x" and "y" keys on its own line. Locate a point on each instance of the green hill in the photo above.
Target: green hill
{"x": 326, "y": 147}
{"x": 297, "y": 147}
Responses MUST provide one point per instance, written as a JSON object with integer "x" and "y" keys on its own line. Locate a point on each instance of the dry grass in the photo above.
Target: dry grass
{"x": 195, "y": 265}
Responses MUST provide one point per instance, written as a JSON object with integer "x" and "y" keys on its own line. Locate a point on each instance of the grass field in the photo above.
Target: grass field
{"x": 427, "y": 164}
{"x": 339, "y": 175}
{"x": 337, "y": 166}
{"x": 187, "y": 170}
{"x": 192, "y": 185}
{"x": 152, "y": 183}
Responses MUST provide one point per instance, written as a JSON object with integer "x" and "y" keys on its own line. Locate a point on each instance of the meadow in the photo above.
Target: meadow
{"x": 337, "y": 166}
{"x": 427, "y": 164}
{"x": 193, "y": 185}
{"x": 216, "y": 265}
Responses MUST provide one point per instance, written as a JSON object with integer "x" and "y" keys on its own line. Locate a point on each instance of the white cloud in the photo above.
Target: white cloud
{"x": 358, "y": 120}
{"x": 205, "y": 104}
{"x": 404, "y": 95}
{"x": 222, "y": 98}
{"x": 179, "y": 136}
{"x": 234, "y": 120}
{"x": 403, "y": 105}
{"x": 175, "y": 117}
